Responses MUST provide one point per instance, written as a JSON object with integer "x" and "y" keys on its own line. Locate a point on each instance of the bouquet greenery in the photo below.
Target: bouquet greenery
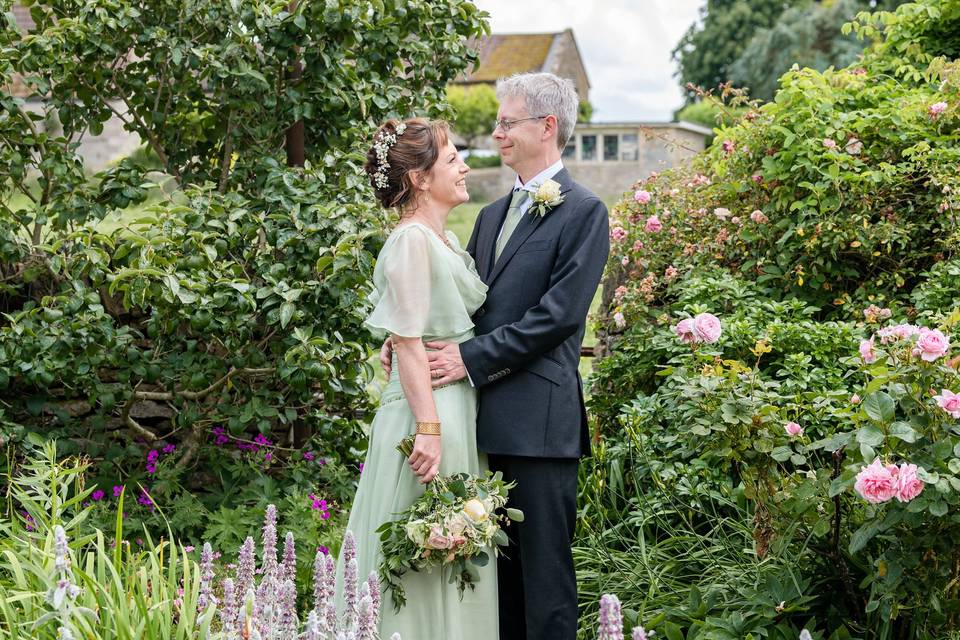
{"x": 454, "y": 524}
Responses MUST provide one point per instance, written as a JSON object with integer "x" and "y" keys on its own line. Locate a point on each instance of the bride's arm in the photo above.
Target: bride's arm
{"x": 415, "y": 379}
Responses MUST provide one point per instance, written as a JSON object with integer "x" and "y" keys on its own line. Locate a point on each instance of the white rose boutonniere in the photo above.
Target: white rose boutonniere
{"x": 546, "y": 198}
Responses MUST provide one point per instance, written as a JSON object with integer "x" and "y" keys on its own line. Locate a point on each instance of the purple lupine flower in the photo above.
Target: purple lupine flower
{"x": 350, "y": 591}
{"x": 330, "y": 617}
{"x": 366, "y": 622}
{"x": 206, "y": 598}
{"x": 349, "y": 547}
{"x": 97, "y": 495}
{"x": 228, "y": 612}
{"x": 330, "y": 579}
{"x": 246, "y": 565}
{"x": 270, "y": 543}
{"x": 611, "y": 620}
{"x": 289, "y": 568}
{"x": 639, "y": 633}
{"x": 319, "y": 579}
{"x": 373, "y": 583}
{"x": 288, "y": 607}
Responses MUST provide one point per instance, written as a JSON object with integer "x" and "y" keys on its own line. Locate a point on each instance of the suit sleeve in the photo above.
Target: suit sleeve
{"x": 582, "y": 254}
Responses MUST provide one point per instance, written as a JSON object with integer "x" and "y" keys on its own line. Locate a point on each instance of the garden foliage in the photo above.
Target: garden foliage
{"x": 190, "y": 318}
{"x": 802, "y": 470}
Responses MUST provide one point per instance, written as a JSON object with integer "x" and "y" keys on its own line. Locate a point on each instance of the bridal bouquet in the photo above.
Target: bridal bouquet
{"x": 453, "y": 525}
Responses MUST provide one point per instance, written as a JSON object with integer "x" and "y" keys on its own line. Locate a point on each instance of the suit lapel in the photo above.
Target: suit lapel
{"x": 527, "y": 226}
{"x": 486, "y": 243}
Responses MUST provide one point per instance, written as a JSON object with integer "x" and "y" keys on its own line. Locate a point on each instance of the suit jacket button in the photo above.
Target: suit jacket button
{"x": 491, "y": 378}
{"x": 506, "y": 371}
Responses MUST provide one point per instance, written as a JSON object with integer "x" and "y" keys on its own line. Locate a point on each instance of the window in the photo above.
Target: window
{"x": 570, "y": 151}
{"x": 588, "y": 148}
{"x": 628, "y": 147}
{"x": 610, "y": 146}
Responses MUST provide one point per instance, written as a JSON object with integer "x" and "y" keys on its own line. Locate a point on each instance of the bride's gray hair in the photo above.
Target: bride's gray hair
{"x": 545, "y": 94}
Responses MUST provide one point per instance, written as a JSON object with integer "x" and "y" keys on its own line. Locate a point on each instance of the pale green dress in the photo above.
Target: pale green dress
{"x": 423, "y": 288}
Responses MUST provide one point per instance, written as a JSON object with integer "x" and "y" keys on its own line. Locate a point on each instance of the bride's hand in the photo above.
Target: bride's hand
{"x": 386, "y": 356}
{"x": 425, "y": 459}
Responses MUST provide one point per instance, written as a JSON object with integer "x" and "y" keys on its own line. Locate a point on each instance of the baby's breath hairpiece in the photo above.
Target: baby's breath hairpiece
{"x": 381, "y": 146}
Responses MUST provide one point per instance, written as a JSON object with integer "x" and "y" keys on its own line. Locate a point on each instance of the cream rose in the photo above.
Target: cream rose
{"x": 475, "y": 510}
{"x": 549, "y": 193}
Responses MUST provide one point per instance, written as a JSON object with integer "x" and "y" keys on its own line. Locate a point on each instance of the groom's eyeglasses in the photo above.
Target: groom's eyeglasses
{"x": 506, "y": 125}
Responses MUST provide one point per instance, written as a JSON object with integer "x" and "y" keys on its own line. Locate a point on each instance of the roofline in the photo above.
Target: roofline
{"x": 580, "y": 57}
{"x": 681, "y": 124}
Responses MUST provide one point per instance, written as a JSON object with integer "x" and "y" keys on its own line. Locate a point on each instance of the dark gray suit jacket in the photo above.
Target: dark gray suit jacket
{"x": 525, "y": 355}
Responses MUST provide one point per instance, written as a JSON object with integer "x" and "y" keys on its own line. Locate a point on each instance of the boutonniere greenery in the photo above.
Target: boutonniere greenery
{"x": 546, "y": 197}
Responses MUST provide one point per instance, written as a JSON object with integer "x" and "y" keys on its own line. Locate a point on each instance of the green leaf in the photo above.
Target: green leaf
{"x": 903, "y": 431}
{"x": 286, "y": 312}
{"x": 515, "y": 514}
{"x": 879, "y": 406}
{"x": 870, "y": 435}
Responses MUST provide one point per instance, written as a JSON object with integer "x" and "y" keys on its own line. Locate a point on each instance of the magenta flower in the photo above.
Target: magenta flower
{"x": 728, "y": 146}
{"x": 97, "y": 495}
{"x": 169, "y": 448}
{"x": 308, "y": 456}
{"x": 117, "y": 490}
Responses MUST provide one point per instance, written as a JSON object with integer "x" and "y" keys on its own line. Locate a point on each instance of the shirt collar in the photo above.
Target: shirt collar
{"x": 534, "y": 182}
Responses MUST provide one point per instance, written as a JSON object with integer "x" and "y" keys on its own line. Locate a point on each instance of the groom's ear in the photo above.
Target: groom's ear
{"x": 550, "y": 129}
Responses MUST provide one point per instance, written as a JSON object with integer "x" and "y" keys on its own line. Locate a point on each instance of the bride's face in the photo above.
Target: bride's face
{"x": 448, "y": 178}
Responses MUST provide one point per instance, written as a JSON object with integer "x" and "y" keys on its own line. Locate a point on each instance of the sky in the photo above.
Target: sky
{"x": 625, "y": 45}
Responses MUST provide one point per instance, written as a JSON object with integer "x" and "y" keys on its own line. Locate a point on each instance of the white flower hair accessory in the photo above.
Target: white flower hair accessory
{"x": 381, "y": 146}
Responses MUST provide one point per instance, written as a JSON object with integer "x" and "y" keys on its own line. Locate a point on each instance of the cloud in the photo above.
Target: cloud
{"x": 625, "y": 44}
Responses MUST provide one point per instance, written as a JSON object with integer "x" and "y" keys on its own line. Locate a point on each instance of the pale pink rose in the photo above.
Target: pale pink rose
{"x": 637, "y": 246}
{"x": 855, "y": 399}
{"x": 793, "y": 429}
{"x": 829, "y": 143}
{"x": 458, "y": 541}
{"x": 721, "y": 212}
{"x": 684, "y": 331}
{"x": 931, "y": 344}
{"x": 642, "y": 196}
{"x": 620, "y": 292}
{"x": 625, "y": 261}
{"x": 619, "y": 320}
{"x": 866, "y": 351}
{"x": 853, "y": 147}
{"x": 617, "y": 234}
{"x": 653, "y": 225}
{"x": 876, "y": 483}
{"x": 735, "y": 220}
{"x": 949, "y": 402}
{"x": 706, "y": 327}
{"x": 909, "y": 485}
{"x": 670, "y": 273}
{"x": 936, "y": 109}
{"x": 757, "y": 178}
{"x": 728, "y": 146}
{"x": 758, "y": 217}
{"x": 897, "y": 332}
{"x": 437, "y": 539}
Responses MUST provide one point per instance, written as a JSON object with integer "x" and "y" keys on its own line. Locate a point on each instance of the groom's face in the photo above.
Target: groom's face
{"x": 524, "y": 139}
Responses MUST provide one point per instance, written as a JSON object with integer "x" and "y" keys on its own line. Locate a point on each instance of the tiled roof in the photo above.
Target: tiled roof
{"x": 504, "y": 55}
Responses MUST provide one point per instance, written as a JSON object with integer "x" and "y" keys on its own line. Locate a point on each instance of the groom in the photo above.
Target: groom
{"x": 543, "y": 265}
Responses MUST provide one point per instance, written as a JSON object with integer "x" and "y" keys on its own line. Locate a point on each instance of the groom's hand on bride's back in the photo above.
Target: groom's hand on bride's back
{"x": 386, "y": 357}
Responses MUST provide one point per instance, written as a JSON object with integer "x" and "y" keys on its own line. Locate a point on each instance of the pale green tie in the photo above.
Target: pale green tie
{"x": 514, "y": 215}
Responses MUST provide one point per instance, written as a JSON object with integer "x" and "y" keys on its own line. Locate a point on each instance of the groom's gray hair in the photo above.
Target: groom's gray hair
{"x": 545, "y": 94}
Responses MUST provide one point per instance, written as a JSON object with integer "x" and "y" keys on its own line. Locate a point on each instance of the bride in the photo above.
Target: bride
{"x": 427, "y": 289}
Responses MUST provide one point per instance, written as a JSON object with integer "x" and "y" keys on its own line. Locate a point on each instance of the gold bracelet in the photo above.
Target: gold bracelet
{"x": 428, "y": 428}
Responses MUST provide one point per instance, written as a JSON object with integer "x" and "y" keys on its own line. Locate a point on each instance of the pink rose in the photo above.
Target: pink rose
{"x": 728, "y": 146}
{"x": 829, "y": 143}
{"x": 909, "y": 485}
{"x": 721, "y": 212}
{"x": 758, "y": 216}
{"x": 949, "y": 402}
{"x": 757, "y": 178}
{"x": 437, "y": 539}
{"x": 853, "y": 147}
{"x": 855, "y": 399}
{"x": 638, "y": 246}
{"x": 735, "y": 220}
{"x": 876, "y": 483}
{"x": 619, "y": 320}
{"x": 642, "y": 196}
{"x": 653, "y": 225}
{"x": 793, "y": 429}
{"x": 670, "y": 273}
{"x": 625, "y": 261}
{"x": 617, "y": 234}
{"x": 706, "y": 327}
{"x": 936, "y": 109}
{"x": 620, "y": 292}
{"x": 931, "y": 344}
{"x": 684, "y": 331}
{"x": 897, "y": 332}
{"x": 866, "y": 351}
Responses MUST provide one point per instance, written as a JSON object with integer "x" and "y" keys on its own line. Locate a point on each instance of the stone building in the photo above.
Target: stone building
{"x": 607, "y": 157}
